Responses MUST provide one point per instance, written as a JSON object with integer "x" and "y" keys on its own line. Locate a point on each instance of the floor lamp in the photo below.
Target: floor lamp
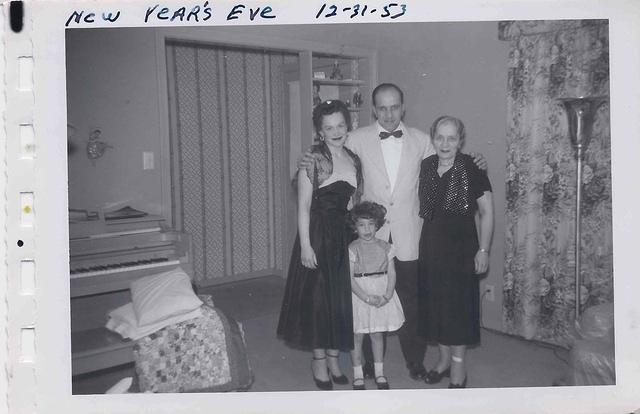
{"x": 581, "y": 113}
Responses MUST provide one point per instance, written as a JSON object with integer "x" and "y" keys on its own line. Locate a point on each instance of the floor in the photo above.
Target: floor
{"x": 500, "y": 360}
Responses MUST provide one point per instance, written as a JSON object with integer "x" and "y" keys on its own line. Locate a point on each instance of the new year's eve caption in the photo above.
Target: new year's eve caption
{"x": 239, "y": 12}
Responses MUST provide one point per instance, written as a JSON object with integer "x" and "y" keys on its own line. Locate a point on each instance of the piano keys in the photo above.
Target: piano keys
{"x": 102, "y": 267}
{"x": 98, "y": 270}
{"x": 110, "y": 263}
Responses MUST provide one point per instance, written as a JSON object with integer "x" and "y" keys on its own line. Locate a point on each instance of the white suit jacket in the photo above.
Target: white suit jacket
{"x": 402, "y": 222}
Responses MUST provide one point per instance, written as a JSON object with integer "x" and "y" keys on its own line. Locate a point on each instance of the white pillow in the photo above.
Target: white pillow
{"x": 163, "y": 295}
{"x": 123, "y": 321}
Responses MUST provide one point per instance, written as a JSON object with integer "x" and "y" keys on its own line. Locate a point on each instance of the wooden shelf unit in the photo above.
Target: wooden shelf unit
{"x": 337, "y": 73}
{"x": 339, "y": 82}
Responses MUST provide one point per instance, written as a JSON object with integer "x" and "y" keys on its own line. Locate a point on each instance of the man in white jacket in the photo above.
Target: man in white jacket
{"x": 391, "y": 154}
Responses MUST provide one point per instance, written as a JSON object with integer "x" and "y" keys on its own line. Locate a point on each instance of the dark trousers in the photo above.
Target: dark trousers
{"x": 413, "y": 345}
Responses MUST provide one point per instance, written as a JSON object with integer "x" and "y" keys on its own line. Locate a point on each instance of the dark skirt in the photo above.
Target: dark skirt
{"x": 448, "y": 286}
{"x": 316, "y": 308}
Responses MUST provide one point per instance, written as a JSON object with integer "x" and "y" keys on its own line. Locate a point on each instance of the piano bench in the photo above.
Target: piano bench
{"x": 99, "y": 348}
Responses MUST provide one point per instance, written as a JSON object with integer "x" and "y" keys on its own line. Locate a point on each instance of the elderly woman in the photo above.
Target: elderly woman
{"x": 316, "y": 309}
{"x": 452, "y": 252}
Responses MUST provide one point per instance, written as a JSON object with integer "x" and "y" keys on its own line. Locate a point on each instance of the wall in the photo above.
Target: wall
{"x": 112, "y": 85}
{"x": 453, "y": 68}
{"x": 444, "y": 68}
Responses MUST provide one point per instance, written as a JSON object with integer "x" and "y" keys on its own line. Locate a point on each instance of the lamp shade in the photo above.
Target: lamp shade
{"x": 581, "y": 113}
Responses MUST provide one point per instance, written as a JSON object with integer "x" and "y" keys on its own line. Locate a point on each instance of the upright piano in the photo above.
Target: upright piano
{"x": 103, "y": 264}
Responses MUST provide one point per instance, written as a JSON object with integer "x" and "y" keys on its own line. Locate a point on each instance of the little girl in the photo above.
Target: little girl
{"x": 376, "y": 307}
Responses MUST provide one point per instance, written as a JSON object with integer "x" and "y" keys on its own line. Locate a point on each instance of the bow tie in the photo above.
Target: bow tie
{"x": 384, "y": 134}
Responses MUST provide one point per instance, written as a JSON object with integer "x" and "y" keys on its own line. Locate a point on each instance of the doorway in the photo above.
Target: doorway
{"x": 229, "y": 108}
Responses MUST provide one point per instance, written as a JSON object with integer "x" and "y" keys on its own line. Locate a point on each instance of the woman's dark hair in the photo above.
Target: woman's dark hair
{"x": 321, "y": 110}
{"x": 447, "y": 119}
{"x": 327, "y": 108}
{"x": 367, "y": 210}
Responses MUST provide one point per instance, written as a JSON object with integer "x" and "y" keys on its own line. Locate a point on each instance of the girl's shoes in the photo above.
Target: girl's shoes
{"x": 382, "y": 382}
{"x": 323, "y": 385}
{"x": 463, "y": 385}
{"x": 340, "y": 379}
{"x": 358, "y": 384}
{"x": 434, "y": 377}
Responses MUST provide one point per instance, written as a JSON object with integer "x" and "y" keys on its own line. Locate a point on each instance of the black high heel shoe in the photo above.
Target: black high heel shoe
{"x": 323, "y": 385}
{"x": 434, "y": 377}
{"x": 463, "y": 385}
{"x": 340, "y": 379}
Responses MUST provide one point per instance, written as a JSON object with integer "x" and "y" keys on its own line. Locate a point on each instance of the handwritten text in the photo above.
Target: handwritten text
{"x": 90, "y": 17}
{"x": 390, "y": 10}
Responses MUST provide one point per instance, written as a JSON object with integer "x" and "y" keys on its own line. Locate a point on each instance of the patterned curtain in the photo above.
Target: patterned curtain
{"x": 228, "y": 105}
{"x": 549, "y": 60}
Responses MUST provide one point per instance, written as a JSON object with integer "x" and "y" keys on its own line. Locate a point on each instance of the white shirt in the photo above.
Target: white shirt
{"x": 391, "y": 152}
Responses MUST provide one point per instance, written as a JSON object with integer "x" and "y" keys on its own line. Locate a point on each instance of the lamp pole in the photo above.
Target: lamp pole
{"x": 581, "y": 114}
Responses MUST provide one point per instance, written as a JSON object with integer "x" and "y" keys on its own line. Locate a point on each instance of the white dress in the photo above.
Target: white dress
{"x": 373, "y": 257}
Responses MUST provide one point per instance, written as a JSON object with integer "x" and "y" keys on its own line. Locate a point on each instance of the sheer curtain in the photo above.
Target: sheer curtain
{"x": 551, "y": 59}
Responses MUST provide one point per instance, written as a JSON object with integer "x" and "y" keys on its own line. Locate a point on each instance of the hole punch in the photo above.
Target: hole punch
{"x": 27, "y": 141}
{"x": 20, "y": 243}
{"x": 16, "y": 15}
{"x": 26, "y": 209}
{"x": 27, "y": 277}
{"x": 28, "y": 344}
{"x": 25, "y": 73}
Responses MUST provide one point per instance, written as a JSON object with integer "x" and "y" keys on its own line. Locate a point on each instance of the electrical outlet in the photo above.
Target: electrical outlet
{"x": 147, "y": 160}
{"x": 490, "y": 293}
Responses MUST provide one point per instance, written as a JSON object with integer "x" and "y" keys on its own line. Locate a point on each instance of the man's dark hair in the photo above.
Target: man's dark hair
{"x": 385, "y": 87}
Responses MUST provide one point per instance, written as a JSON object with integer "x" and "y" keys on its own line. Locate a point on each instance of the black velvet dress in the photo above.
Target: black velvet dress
{"x": 448, "y": 286}
{"x": 316, "y": 308}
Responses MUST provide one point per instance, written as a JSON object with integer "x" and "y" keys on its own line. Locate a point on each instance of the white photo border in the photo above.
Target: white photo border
{"x": 49, "y": 389}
